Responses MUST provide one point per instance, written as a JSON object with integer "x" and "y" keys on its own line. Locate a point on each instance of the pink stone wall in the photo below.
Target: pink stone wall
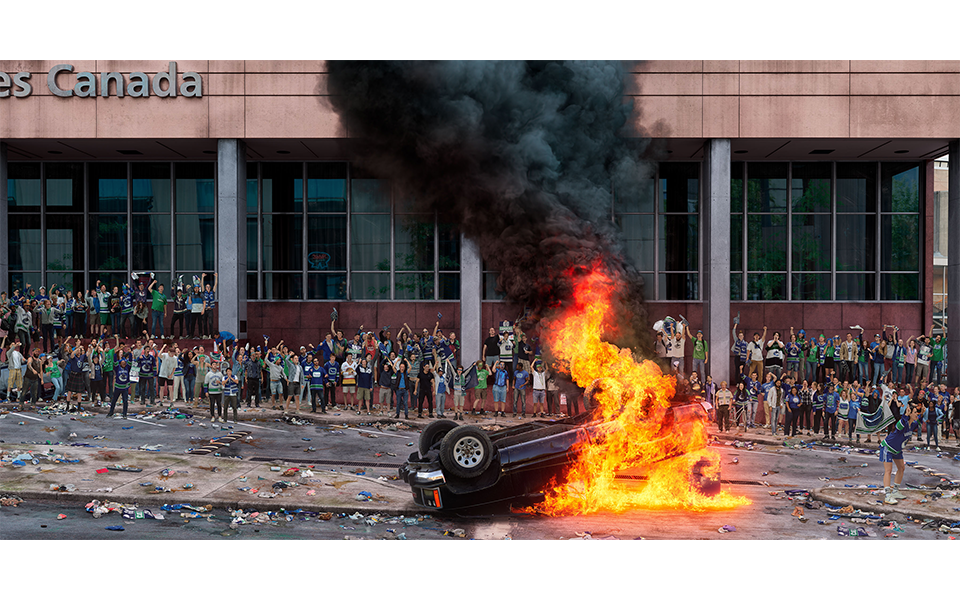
{"x": 678, "y": 99}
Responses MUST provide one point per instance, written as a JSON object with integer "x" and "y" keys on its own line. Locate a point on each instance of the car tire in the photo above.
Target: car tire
{"x": 434, "y": 432}
{"x": 466, "y": 451}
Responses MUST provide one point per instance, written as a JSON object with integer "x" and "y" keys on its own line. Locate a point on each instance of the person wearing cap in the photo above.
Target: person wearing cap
{"x": 701, "y": 353}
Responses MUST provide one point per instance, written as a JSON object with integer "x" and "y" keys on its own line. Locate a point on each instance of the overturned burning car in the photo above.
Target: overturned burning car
{"x": 459, "y": 467}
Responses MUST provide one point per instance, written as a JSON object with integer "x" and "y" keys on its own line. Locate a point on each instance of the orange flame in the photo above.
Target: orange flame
{"x": 633, "y": 397}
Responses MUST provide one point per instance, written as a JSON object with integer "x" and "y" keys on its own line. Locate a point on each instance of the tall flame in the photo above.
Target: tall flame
{"x": 633, "y": 398}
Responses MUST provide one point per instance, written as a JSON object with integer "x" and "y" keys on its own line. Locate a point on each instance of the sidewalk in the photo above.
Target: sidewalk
{"x": 761, "y": 435}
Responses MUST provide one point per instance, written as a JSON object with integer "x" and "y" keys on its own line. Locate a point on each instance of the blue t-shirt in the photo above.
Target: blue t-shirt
{"x": 853, "y": 408}
{"x": 520, "y": 379}
{"x": 209, "y": 300}
{"x": 793, "y": 401}
{"x": 830, "y": 402}
{"x": 121, "y": 376}
{"x": 500, "y": 378}
{"x": 793, "y": 352}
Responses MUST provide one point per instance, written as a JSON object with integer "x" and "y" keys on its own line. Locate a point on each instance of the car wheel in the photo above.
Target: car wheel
{"x": 434, "y": 432}
{"x": 466, "y": 451}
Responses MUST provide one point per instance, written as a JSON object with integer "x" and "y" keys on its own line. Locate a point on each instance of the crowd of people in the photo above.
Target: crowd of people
{"x": 372, "y": 372}
{"x": 850, "y": 386}
{"x": 35, "y": 316}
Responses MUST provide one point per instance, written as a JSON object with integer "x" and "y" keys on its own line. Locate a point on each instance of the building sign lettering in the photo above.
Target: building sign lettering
{"x": 165, "y": 84}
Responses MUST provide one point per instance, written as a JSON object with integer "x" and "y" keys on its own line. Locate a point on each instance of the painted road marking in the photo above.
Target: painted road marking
{"x": 26, "y": 416}
{"x": 147, "y": 422}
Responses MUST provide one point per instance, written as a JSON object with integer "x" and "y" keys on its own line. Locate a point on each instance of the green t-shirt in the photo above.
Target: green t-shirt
{"x": 812, "y": 353}
{"x": 108, "y": 360}
{"x": 482, "y": 379}
{"x": 54, "y": 371}
{"x": 938, "y": 349}
{"x": 700, "y": 349}
{"x": 159, "y": 301}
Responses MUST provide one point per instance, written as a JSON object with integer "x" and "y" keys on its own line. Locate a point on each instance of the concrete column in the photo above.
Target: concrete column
{"x": 715, "y": 278}
{"x": 232, "y": 236}
{"x": 953, "y": 267}
{"x": 471, "y": 282}
{"x": 4, "y": 224}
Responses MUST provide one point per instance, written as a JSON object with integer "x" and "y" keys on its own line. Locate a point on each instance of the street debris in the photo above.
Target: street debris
{"x": 727, "y": 529}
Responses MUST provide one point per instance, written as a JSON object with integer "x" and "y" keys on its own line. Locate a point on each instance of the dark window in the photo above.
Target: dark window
{"x": 196, "y": 191}
{"x": 810, "y": 187}
{"x": 196, "y": 242}
{"x": 108, "y": 243}
{"x": 151, "y": 188}
{"x": 282, "y": 243}
{"x": 327, "y": 187}
{"x": 64, "y": 185}
{"x": 107, "y": 187}
{"x": 151, "y": 243}
{"x": 23, "y": 187}
{"x": 65, "y": 239}
{"x": 24, "y": 242}
{"x": 327, "y": 243}
{"x": 413, "y": 244}
{"x": 767, "y": 187}
{"x": 856, "y": 188}
{"x": 856, "y": 242}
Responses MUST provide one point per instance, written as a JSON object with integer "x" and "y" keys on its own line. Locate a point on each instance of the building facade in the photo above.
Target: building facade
{"x": 793, "y": 193}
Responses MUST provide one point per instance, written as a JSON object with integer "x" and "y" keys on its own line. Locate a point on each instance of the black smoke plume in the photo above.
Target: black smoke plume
{"x": 523, "y": 156}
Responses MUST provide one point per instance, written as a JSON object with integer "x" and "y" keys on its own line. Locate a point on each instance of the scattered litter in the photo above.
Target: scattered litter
{"x": 61, "y": 517}
{"x": 727, "y": 529}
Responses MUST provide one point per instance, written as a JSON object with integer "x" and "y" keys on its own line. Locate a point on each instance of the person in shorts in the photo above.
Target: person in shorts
{"x": 294, "y": 382}
{"x": 364, "y": 387}
{"x": 891, "y": 450}
{"x": 480, "y": 390}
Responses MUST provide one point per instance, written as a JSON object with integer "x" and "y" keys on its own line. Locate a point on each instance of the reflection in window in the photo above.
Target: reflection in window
{"x": 23, "y": 187}
{"x": 856, "y": 187}
{"x": 414, "y": 243}
{"x": 767, "y": 187}
{"x": 108, "y": 243}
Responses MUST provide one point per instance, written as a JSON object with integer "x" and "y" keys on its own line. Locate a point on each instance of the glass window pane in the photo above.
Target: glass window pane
{"x": 23, "y": 187}
{"x": 736, "y": 241}
{"x": 767, "y": 187}
{"x": 196, "y": 191}
{"x": 282, "y": 286}
{"x": 196, "y": 243}
{"x": 108, "y": 243}
{"x": 327, "y": 187}
{"x": 19, "y": 281}
{"x": 736, "y": 286}
{"x": 449, "y": 286}
{"x": 679, "y": 247}
{"x": 370, "y": 195}
{"x": 900, "y": 286}
{"x": 111, "y": 280}
{"x": 252, "y": 291}
{"x": 736, "y": 187}
{"x": 413, "y": 243}
{"x": 637, "y": 231}
{"x": 649, "y": 289}
{"x": 679, "y": 187}
{"x": 449, "y": 244}
{"x": 253, "y": 202}
{"x": 283, "y": 242}
{"x": 766, "y": 286}
{"x": 65, "y": 242}
{"x": 326, "y": 286}
{"x": 370, "y": 286}
{"x": 899, "y": 243}
{"x": 636, "y": 199}
{"x": 253, "y": 244}
{"x": 327, "y": 243}
{"x": 856, "y": 187}
{"x": 282, "y": 187}
{"x": 939, "y": 280}
{"x": 810, "y": 187}
{"x": 767, "y": 242}
{"x": 811, "y": 242}
{"x": 678, "y": 286}
{"x": 65, "y": 186}
{"x": 899, "y": 187}
{"x": 856, "y": 242}
{"x": 490, "y": 287}
{"x": 151, "y": 243}
{"x": 69, "y": 281}
{"x": 811, "y": 286}
{"x": 414, "y": 286}
{"x": 370, "y": 243}
{"x": 151, "y": 187}
{"x": 107, "y": 187}
{"x": 856, "y": 286}
{"x": 23, "y": 242}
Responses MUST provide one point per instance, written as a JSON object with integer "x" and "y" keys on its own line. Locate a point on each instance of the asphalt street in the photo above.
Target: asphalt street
{"x": 761, "y": 472}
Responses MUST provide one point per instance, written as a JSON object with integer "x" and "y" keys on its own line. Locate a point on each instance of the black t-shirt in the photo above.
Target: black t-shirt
{"x": 426, "y": 381}
{"x": 492, "y": 344}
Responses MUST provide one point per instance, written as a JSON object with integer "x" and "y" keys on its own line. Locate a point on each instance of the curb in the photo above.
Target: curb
{"x": 270, "y": 504}
{"x": 823, "y": 495}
